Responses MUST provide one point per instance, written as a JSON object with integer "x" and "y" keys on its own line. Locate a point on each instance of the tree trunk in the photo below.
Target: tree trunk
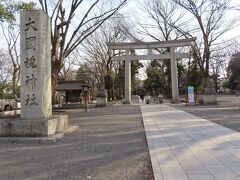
{"x": 15, "y": 76}
{"x": 56, "y": 66}
{"x": 113, "y": 91}
{"x": 108, "y": 86}
{"x": 54, "y": 83}
{"x": 15, "y": 80}
{"x": 216, "y": 82}
{"x": 55, "y": 78}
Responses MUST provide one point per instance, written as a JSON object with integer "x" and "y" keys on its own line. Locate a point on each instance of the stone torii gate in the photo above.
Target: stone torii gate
{"x": 149, "y": 46}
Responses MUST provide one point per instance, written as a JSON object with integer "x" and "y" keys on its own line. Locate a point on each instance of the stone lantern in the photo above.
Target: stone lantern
{"x": 101, "y": 98}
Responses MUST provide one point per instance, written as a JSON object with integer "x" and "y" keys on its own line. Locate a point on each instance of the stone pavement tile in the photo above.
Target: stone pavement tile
{"x": 173, "y": 141}
{"x": 233, "y": 163}
{"x": 162, "y": 128}
{"x": 151, "y": 125}
{"x": 149, "y": 136}
{"x": 204, "y": 141}
{"x": 181, "y": 151}
{"x": 222, "y": 143}
{"x": 195, "y": 147}
{"x": 223, "y": 155}
{"x": 149, "y": 139}
{"x": 159, "y": 143}
{"x": 201, "y": 153}
{"x": 173, "y": 172}
{"x": 155, "y": 135}
{"x": 158, "y": 176}
{"x": 205, "y": 157}
{"x": 154, "y": 131}
{"x": 193, "y": 166}
{"x": 226, "y": 146}
{"x": 154, "y": 159}
{"x": 166, "y": 156}
{"x": 167, "y": 132}
{"x": 193, "y": 129}
{"x": 234, "y": 136}
{"x": 209, "y": 145}
{"x": 190, "y": 143}
{"x": 180, "y": 133}
{"x": 198, "y": 137}
{"x": 225, "y": 130}
{"x": 201, "y": 177}
{"x": 235, "y": 142}
{"x": 235, "y": 152}
{"x": 217, "y": 148}
{"x": 184, "y": 137}
{"x": 221, "y": 172}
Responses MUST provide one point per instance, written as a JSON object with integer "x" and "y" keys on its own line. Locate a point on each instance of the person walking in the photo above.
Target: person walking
{"x": 160, "y": 100}
{"x": 142, "y": 97}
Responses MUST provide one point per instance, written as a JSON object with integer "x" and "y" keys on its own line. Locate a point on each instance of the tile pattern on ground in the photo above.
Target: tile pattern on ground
{"x": 183, "y": 146}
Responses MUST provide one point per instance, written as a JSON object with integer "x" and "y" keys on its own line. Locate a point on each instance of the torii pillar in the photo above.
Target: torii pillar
{"x": 174, "y": 75}
{"x": 128, "y": 83}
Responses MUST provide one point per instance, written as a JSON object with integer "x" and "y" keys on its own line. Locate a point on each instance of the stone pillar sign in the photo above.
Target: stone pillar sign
{"x": 36, "y": 97}
{"x": 35, "y": 65}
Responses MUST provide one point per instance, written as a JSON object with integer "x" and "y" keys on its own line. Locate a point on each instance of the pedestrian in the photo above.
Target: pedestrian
{"x": 160, "y": 100}
{"x": 237, "y": 93}
{"x": 186, "y": 100}
{"x": 142, "y": 97}
{"x": 147, "y": 99}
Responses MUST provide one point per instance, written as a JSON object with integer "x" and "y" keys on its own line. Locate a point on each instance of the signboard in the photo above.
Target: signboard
{"x": 191, "y": 95}
{"x": 35, "y": 65}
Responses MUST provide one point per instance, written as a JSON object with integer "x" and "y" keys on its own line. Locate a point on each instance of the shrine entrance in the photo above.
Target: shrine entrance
{"x": 154, "y": 51}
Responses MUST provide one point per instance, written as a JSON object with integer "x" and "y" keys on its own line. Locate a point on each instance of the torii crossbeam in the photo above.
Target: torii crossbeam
{"x": 149, "y": 46}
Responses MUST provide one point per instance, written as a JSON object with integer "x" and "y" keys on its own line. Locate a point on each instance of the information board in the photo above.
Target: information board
{"x": 191, "y": 95}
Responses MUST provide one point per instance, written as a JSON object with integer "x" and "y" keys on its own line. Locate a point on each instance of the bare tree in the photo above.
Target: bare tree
{"x": 11, "y": 34}
{"x": 208, "y": 20}
{"x": 97, "y": 55}
{"x": 218, "y": 66}
{"x": 70, "y": 29}
{"x": 5, "y": 68}
{"x": 69, "y": 70}
{"x": 211, "y": 23}
{"x": 164, "y": 16}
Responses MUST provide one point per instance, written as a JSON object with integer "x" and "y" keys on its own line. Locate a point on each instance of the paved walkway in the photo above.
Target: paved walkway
{"x": 183, "y": 146}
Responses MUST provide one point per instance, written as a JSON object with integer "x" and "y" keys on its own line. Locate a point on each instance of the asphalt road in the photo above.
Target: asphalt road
{"x": 110, "y": 144}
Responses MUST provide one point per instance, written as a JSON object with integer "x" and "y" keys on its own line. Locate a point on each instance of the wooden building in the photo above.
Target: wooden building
{"x": 73, "y": 90}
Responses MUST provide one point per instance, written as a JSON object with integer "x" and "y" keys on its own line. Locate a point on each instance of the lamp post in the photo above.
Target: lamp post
{"x": 85, "y": 90}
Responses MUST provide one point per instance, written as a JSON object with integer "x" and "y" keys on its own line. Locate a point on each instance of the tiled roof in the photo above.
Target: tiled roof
{"x": 70, "y": 85}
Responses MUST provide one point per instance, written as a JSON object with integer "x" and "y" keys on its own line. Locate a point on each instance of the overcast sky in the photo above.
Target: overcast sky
{"x": 133, "y": 11}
